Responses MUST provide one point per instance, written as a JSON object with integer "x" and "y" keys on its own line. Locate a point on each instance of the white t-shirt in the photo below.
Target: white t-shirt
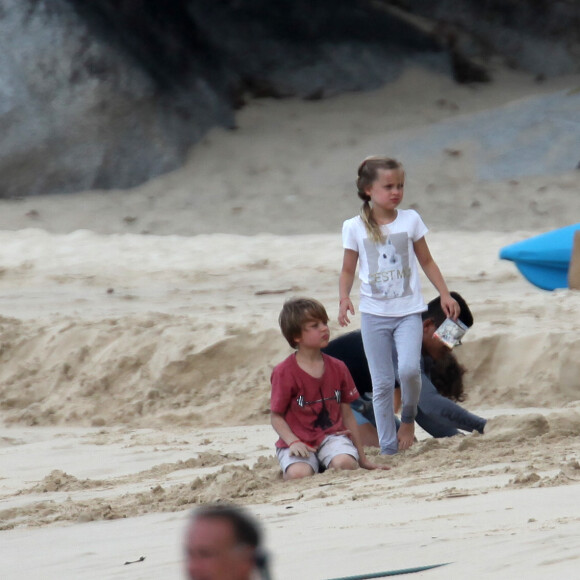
{"x": 390, "y": 284}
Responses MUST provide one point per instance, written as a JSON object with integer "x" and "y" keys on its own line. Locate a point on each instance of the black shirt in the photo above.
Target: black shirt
{"x": 349, "y": 349}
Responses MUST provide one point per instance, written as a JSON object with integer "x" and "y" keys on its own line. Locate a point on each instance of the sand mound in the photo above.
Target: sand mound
{"x": 136, "y": 370}
{"x": 103, "y": 336}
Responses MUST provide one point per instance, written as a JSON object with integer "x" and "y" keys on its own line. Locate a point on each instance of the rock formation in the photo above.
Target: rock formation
{"x": 101, "y": 94}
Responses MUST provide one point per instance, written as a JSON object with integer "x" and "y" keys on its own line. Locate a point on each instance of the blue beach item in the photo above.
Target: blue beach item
{"x": 544, "y": 259}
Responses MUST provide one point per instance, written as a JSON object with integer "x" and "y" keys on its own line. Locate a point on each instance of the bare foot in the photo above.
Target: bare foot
{"x": 406, "y": 435}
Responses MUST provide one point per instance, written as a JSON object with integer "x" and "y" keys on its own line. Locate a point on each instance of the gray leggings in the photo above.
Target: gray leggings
{"x": 378, "y": 334}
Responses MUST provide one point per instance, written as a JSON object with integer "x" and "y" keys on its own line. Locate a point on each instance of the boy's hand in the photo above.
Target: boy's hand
{"x": 300, "y": 449}
{"x": 344, "y": 308}
{"x": 366, "y": 464}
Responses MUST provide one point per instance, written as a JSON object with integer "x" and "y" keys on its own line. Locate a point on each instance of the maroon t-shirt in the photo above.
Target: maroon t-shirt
{"x": 311, "y": 406}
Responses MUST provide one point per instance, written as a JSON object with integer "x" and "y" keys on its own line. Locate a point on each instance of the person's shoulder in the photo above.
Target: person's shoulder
{"x": 352, "y": 222}
{"x": 410, "y": 214}
{"x": 410, "y": 220}
{"x": 334, "y": 363}
{"x": 287, "y": 364}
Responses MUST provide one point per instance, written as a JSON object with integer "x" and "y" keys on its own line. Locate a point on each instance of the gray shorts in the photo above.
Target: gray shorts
{"x": 331, "y": 446}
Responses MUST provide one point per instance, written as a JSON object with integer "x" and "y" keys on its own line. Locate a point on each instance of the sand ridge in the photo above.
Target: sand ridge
{"x": 138, "y": 331}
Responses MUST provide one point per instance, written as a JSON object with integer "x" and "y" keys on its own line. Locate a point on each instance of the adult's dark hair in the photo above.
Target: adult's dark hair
{"x": 435, "y": 311}
{"x": 446, "y": 374}
{"x": 246, "y": 530}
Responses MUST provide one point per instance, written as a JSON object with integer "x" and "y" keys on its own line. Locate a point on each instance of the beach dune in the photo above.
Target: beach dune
{"x": 138, "y": 331}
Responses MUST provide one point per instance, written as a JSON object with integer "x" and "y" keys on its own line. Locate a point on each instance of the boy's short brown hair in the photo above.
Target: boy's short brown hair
{"x": 295, "y": 313}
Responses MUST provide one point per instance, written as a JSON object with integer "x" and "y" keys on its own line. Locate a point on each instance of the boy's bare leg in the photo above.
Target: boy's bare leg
{"x": 343, "y": 461}
{"x": 298, "y": 471}
{"x": 406, "y": 435}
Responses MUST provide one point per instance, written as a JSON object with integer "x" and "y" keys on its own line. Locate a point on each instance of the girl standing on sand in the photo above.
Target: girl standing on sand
{"x": 385, "y": 241}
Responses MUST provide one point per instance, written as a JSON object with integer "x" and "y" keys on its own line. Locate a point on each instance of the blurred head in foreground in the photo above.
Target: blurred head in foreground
{"x": 223, "y": 542}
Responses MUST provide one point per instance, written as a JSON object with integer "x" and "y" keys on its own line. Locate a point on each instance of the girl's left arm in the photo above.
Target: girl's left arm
{"x": 431, "y": 269}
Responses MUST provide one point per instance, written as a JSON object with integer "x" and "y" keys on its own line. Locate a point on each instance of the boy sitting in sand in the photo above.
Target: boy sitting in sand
{"x": 311, "y": 396}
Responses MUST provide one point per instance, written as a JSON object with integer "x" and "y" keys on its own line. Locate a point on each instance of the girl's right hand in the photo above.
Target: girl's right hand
{"x": 344, "y": 308}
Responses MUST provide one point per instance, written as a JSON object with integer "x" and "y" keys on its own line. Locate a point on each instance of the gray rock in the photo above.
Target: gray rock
{"x": 77, "y": 113}
{"x": 538, "y": 36}
{"x": 101, "y": 94}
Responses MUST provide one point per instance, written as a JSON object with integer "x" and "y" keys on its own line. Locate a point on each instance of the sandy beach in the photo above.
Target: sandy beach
{"x": 138, "y": 330}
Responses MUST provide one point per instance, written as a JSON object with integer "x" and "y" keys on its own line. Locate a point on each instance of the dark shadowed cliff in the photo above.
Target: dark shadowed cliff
{"x": 101, "y": 94}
